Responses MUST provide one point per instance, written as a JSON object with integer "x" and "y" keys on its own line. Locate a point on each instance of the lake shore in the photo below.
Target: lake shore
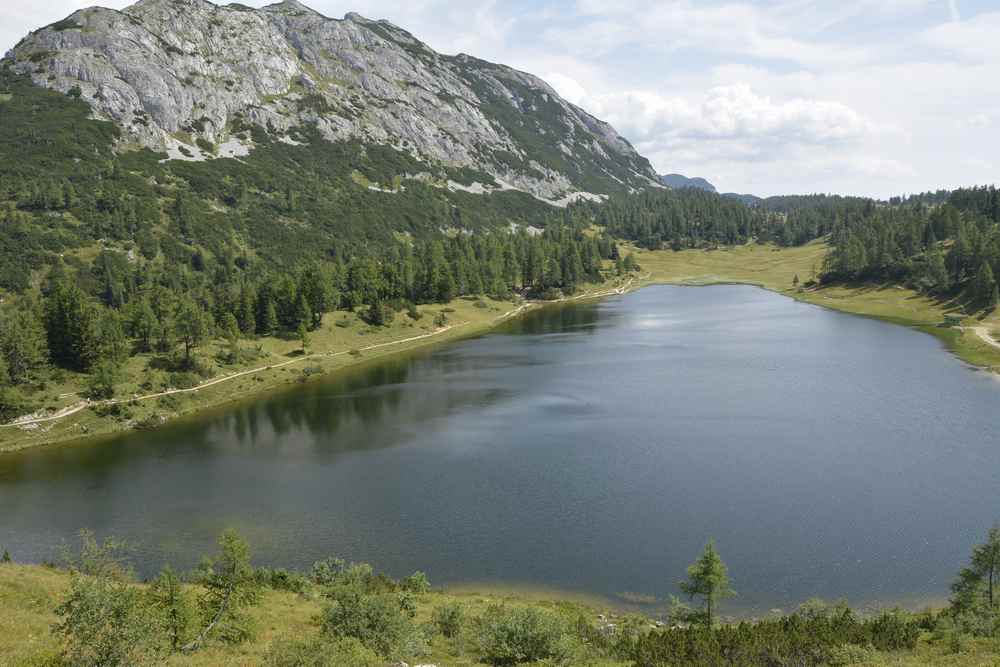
{"x": 775, "y": 270}
{"x": 336, "y": 348}
{"x": 333, "y": 350}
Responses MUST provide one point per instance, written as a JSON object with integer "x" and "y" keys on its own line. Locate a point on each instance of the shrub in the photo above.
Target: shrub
{"x": 104, "y": 622}
{"x": 325, "y": 572}
{"x": 808, "y": 639}
{"x": 376, "y": 620}
{"x": 281, "y": 580}
{"x": 320, "y": 652}
{"x": 416, "y": 583}
{"x": 184, "y": 380}
{"x": 448, "y": 619}
{"x": 511, "y": 635}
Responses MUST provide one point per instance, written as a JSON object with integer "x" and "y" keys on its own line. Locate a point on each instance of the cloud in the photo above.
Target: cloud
{"x": 734, "y": 113}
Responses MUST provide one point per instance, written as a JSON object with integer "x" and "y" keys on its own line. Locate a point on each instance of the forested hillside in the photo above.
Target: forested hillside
{"x": 945, "y": 244}
{"x": 107, "y": 255}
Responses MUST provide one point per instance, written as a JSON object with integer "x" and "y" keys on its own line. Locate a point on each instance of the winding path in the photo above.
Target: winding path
{"x": 83, "y": 405}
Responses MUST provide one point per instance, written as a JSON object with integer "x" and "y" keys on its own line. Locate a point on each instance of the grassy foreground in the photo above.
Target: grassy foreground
{"x": 29, "y": 594}
{"x": 775, "y": 269}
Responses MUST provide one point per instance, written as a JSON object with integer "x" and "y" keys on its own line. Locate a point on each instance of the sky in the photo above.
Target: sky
{"x": 867, "y": 97}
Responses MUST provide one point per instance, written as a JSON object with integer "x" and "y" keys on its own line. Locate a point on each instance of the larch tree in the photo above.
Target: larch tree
{"x": 708, "y": 579}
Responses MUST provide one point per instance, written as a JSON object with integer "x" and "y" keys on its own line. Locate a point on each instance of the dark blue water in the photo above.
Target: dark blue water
{"x": 592, "y": 448}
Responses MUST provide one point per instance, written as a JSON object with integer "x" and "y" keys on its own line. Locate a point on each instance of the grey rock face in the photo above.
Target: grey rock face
{"x": 180, "y": 73}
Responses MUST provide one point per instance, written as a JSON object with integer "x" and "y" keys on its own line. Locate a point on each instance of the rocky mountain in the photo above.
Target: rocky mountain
{"x": 678, "y": 181}
{"x": 189, "y": 78}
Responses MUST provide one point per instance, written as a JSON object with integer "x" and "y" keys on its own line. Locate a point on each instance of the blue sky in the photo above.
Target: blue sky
{"x": 875, "y": 97}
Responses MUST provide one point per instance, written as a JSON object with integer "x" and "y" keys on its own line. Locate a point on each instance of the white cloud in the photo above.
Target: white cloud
{"x": 730, "y": 113}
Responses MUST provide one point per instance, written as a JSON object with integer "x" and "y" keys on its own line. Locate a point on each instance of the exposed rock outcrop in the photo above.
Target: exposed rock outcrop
{"x": 187, "y": 76}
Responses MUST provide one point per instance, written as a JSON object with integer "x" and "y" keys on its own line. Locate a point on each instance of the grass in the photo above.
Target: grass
{"x": 775, "y": 269}
{"x": 30, "y": 593}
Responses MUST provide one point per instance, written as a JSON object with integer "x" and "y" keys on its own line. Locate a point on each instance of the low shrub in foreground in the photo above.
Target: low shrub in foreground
{"x": 792, "y": 640}
{"x": 382, "y": 622}
{"x": 320, "y": 652}
{"x": 513, "y": 635}
{"x": 448, "y": 619}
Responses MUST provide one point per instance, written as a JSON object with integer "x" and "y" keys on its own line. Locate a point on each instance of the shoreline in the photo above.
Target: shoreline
{"x": 954, "y": 339}
{"x": 355, "y": 358}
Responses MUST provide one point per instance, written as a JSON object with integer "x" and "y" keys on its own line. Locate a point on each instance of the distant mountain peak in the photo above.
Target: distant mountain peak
{"x": 678, "y": 181}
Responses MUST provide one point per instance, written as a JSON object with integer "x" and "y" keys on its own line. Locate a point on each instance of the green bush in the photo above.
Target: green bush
{"x": 448, "y": 619}
{"x": 806, "y": 640}
{"x": 416, "y": 583}
{"x": 184, "y": 380}
{"x": 325, "y": 572}
{"x": 281, "y": 580}
{"x": 105, "y": 622}
{"x": 320, "y": 652}
{"x": 376, "y": 620}
{"x": 513, "y": 635}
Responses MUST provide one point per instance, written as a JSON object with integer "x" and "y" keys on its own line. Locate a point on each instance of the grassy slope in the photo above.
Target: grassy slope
{"x": 28, "y": 594}
{"x": 775, "y": 270}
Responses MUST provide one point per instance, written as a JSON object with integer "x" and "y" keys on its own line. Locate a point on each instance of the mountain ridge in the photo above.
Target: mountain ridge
{"x": 681, "y": 181}
{"x": 187, "y": 77}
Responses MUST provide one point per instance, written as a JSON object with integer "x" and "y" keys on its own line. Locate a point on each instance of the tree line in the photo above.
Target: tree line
{"x": 953, "y": 248}
{"x": 92, "y": 320}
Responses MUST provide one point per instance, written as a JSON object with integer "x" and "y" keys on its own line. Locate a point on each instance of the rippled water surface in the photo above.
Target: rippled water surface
{"x": 592, "y": 447}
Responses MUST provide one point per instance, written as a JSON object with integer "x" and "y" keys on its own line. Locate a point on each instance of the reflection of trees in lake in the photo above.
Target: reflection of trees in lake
{"x": 370, "y": 407}
{"x": 564, "y": 318}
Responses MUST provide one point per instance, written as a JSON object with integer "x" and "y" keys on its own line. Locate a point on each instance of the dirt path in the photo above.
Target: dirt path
{"x": 83, "y": 405}
{"x": 985, "y": 335}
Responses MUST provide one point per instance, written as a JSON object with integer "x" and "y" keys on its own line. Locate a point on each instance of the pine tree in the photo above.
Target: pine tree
{"x": 985, "y": 285}
{"x": 708, "y": 578}
{"x": 22, "y": 344}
